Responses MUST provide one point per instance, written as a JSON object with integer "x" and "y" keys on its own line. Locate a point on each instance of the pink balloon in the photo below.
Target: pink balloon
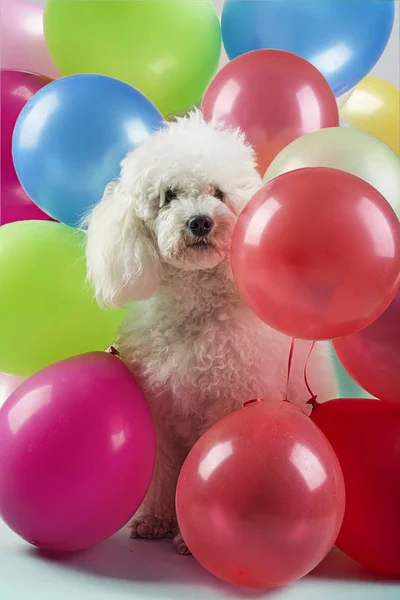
{"x": 8, "y": 383}
{"x": 372, "y": 356}
{"x": 22, "y": 40}
{"x": 77, "y": 452}
{"x": 17, "y": 87}
{"x": 274, "y": 97}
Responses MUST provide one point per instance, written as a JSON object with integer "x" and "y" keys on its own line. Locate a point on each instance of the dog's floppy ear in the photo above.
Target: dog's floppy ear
{"x": 122, "y": 261}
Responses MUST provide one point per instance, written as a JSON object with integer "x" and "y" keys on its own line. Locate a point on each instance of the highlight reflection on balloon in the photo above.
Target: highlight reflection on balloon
{"x": 374, "y": 107}
{"x": 69, "y": 141}
{"x": 316, "y": 253}
{"x": 295, "y": 100}
{"x": 350, "y": 150}
{"x": 17, "y": 88}
{"x": 270, "y": 489}
{"x": 343, "y": 39}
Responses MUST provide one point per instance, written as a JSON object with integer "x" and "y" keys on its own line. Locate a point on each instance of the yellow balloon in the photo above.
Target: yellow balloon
{"x": 374, "y": 107}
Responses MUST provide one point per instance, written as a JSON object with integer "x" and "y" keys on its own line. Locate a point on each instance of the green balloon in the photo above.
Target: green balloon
{"x": 346, "y": 149}
{"x": 169, "y": 50}
{"x": 47, "y": 309}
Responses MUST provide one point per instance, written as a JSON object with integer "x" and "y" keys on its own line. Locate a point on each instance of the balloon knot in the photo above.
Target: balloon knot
{"x": 313, "y": 402}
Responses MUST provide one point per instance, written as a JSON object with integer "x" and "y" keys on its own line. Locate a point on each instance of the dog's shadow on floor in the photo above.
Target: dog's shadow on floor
{"x": 155, "y": 562}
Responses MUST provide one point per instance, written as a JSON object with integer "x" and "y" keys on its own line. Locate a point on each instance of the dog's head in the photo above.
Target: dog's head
{"x": 176, "y": 202}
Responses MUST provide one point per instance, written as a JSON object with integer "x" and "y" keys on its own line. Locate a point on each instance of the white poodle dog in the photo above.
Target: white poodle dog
{"x": 162, "y": 234}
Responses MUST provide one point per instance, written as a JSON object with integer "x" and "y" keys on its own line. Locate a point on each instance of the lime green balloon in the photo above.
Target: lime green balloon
{"x": 167, "y": 49}
{"x": 47, "y": 310}
{"x": 347, "y": 149}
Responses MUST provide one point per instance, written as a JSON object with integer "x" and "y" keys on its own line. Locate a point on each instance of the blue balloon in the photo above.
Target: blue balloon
{"x": 70, "y": 138}
{"x": 342, "y": 38}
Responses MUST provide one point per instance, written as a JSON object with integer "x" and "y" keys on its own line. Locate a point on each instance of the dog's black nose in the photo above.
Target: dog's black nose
{"x": 200, "y": 225}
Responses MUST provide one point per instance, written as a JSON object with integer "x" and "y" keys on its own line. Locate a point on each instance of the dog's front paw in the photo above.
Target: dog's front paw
{"x": 180, "y": 545}
{"x": 152, "y": 528}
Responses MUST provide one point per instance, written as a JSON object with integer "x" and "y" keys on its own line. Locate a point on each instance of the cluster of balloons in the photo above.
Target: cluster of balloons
{"x": 344, "y": 40}
{"x": 315, "y": 254}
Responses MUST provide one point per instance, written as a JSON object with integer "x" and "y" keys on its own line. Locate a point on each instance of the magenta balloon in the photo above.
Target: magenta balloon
{"x": 17, "y": 87}
{"x": 372, "y": 356}
{"x": 77, "y": 452}
{"x": 22, "y": 39}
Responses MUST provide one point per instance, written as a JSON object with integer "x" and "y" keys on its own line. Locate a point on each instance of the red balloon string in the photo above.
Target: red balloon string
{"x": 289, "y": 368}
{"x": 313, "y": 399}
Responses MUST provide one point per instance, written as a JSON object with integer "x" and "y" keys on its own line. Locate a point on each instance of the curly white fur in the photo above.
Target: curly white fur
{"x": 197, "y": 351}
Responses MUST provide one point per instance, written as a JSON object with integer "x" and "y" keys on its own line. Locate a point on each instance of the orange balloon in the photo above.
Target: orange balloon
{"x": 274, "y": 97}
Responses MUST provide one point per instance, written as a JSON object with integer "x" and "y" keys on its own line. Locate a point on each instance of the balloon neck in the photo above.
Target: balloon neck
{"x": 313, "y": 402}
{"x": 251, "y": 402}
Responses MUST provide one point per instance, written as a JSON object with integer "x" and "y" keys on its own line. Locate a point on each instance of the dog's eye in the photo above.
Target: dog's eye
{"x": 170, "y": 194}
{"x": 219, "y": 194}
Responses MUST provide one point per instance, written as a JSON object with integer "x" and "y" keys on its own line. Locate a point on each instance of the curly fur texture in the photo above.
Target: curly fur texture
{"x": 197, "y": 351}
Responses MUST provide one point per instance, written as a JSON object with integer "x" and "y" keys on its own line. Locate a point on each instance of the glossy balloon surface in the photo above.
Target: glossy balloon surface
{"x": 167, "y": 50}
{"x": 47, "y": 307}
{"x": 70, "y": 138}
{"x": 22, "y": 40}
{"x": 260, "y": 498}
{"x": 316, "y": 253}
{"x": 372, "y": 356}
{"x": 365, "y": 435}
{"x": 374, "y": 107}
{"x": 342, "y": 39}
{"x": 77, "y": 451}
{"x": 17, "y": 87}
{"x": 8, "y": 383}
{"x": 349, "y": 150}
{"x": 274, "y": 97}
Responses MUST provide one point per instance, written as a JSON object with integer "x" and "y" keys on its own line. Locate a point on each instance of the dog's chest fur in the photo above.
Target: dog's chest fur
{"x": 199, "y": 353}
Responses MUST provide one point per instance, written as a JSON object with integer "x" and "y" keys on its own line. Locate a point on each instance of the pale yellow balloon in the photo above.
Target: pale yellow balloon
{"x": 349, "y": 150}
{"x": 374, "y": 107}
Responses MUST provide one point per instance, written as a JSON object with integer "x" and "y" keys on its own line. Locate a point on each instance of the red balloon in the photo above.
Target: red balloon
{"x": 260, "y": 498}
{"x": 366, "y": 437}
{"x": 316, "y": 253}
{"x": 372, "y": 356}
{"x": 274, "y": 97}
{"x": 17, "y": 87}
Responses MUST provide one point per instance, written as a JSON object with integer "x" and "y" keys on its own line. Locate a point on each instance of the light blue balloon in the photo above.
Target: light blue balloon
{"x": 342, "y": 38}
{"x": 71, "y": 136}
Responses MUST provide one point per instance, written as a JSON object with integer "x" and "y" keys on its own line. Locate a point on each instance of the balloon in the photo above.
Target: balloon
{"x": 349, "y": 150}
{"x": 168, "y": 50}
{"x": 8, "y": 383}
{"x": 17, "y": 87}
{"x": 274, "y": 97}
{"x": 344, "y": 40}
{"x": 316, "y": 253}
{"x": 22, "y": 40}
{"x": 70, "y": 138}
{"x": 77, "y": 452}
{"x": 47, "y": 309}
{"x": 365, "y": 435}
{"x": 374, "y": 107}
{"x": 260, "y": 498}
{"x": 372, "y": 356}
